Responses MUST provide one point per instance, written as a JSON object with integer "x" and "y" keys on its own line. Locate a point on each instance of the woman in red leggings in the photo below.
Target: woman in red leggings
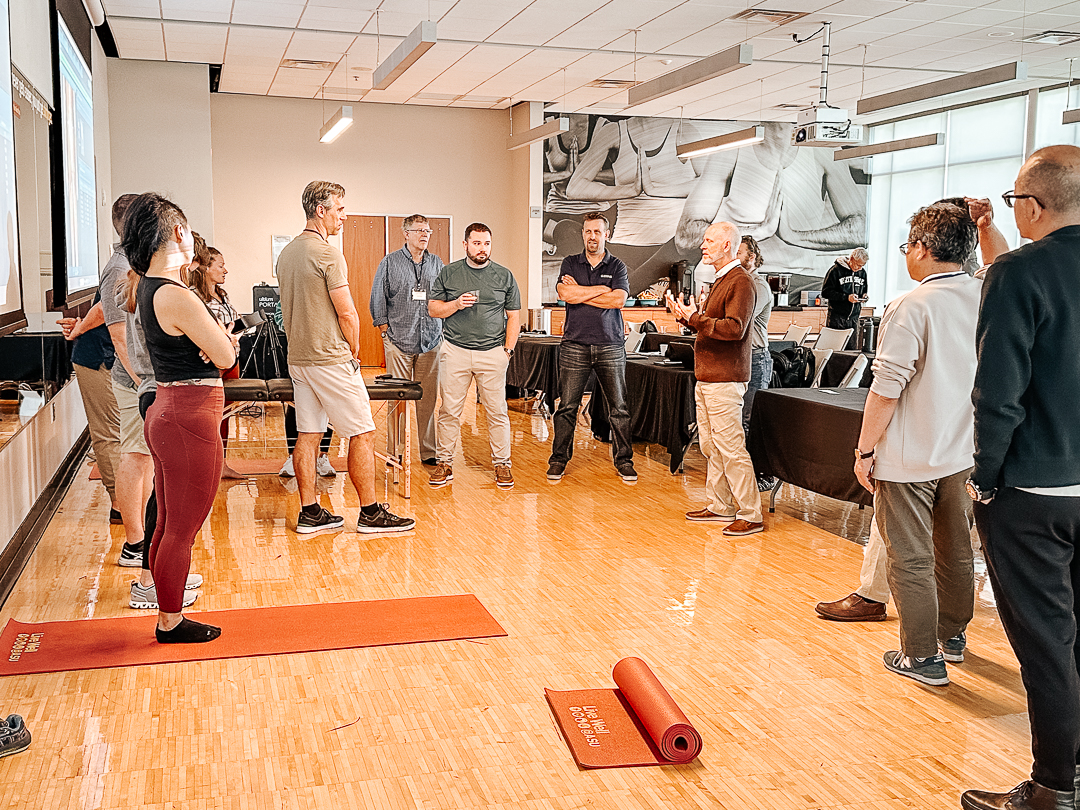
{"x": 187, "y": 348}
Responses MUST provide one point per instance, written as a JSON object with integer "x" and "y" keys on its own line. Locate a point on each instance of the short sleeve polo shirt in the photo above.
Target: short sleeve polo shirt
{"x": 585, "y": 323}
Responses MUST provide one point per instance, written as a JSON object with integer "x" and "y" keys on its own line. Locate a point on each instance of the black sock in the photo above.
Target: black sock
{"x": 312, "y": 509}
{"x": 187, "y": 632}
{"x": 370, "y": 509}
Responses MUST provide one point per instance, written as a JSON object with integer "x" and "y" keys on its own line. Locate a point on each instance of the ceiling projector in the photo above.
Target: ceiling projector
{"x": 825, "y": 126}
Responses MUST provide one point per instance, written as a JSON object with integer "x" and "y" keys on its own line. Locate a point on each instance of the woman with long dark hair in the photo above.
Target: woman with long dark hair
{"x": 187, "y": 349}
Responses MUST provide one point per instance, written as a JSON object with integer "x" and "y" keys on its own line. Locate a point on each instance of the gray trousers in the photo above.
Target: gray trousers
{"x": 926, "y": 527}
{"x": 424, "y": 369}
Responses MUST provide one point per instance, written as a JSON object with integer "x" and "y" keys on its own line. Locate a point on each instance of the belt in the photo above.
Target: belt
{"x": 212, "y": 382}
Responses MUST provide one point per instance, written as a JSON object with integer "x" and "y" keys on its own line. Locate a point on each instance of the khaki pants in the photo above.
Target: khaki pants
{"x": 730, "y": 483}
{"x": 926, "y": 527}
{"x": 424, "y": 369}
{"x": 457, "y": 369}
{"x": 103, "y": 419}
{"x": 873, "y": 579}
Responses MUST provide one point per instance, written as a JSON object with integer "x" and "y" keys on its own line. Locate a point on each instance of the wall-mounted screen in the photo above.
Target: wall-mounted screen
{"x": 11, "y": 302}
{"x": 76, "y": 103}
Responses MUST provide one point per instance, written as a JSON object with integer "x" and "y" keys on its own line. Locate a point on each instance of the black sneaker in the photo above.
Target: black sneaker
{"x": 131, "y": 556}
{"x": 765, "y": 483}
{"x": 14, "y": 735}
{"x": 555, "y": 471}
{"x": 308, "y": 524}
{"x": 627, "y": 472}
{"x": 383, "y": 521}
{"x": 115, "y": 518}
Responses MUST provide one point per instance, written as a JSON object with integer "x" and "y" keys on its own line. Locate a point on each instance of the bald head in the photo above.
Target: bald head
{"x": 1053, "y": 176}
{"x": 720, "y": 244}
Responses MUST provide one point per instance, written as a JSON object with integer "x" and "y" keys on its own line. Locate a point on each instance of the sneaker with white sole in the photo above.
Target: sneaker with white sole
{"x": 14, "y": 735}
{"x": 930, "y": 671}
{"x": 309, "y": 524}
{"x": 952, "y": 649}
{"x": 323, "y": 466}
{"x": 287, "y": 470}
{"x": 146, "y": 598}
{"x": 383, "y": 521}
{"x": 504, "y": 479}
{"x": 131, "y": 556}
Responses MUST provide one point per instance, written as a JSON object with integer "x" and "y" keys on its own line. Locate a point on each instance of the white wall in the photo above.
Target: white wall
{"x": 102, "y": 150}
{"x": 528, "y": 191}
{"x": 395, "y": 159}
{"x": 159, "y": 133}
{"x": 31, "y": 48}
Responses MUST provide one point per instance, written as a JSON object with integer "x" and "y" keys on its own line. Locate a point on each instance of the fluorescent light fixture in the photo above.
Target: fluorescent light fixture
{"x": 733, "y": 140}
{"x": 1070, "y": 117}
{"x": 1014, "y": 71}
{"x": 540, "y": 133}
{"x": 851, "y": 152}
{"x": 687, "y": 76}
{"x": 336, "y": 124}
{"x": 415, "y": 45}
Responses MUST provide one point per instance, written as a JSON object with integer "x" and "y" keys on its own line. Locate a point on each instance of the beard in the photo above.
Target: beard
{"x": 478, "y": 258}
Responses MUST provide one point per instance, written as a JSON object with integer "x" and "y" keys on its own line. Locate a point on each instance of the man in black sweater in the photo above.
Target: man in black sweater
{"x": 1026, "y": 479}
{"x": 844, "y": 289}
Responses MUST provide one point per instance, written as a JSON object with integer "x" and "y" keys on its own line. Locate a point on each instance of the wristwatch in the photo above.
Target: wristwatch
{"x": 977, "y": 494}
{"x": 509, "y": 352}
{"x": 861, "y": 456}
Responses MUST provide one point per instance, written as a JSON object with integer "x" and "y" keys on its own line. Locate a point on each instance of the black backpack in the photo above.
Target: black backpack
{"x": 793, "y": 368}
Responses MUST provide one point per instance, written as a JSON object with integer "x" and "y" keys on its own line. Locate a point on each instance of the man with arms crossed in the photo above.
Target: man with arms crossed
{"x": 722, "y": 369}
{"x": 411, "y": 337}
{"x": 1027, "y": 466}
{"x": 916, "y": 444}
{"x": 323, "y": 329}
{"x": 480, "y": 305}
{"x": 594, "y": 286}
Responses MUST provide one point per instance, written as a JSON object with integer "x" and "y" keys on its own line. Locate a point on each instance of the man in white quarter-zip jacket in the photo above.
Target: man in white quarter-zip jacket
{"x": 916, "y": 446}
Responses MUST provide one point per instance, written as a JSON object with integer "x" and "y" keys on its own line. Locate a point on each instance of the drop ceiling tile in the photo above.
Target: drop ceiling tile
{"x": 543, "y": 20}
{"x": 392, "y": 23}
{"x": 421, "y": 9}
{"x": 206, "y": 10}
{"x": 260, "y": 12}
{"x": 195, "y": 34}
{"x": 133, "y": 8}
{"x": 317, "y": 46}
{"x": 138, "y": 39}
{"x": 612, "y": 23}
{"x": 259, "y": 42}
{"x": 329, "y": 18}
{"x": 673, "y": 26}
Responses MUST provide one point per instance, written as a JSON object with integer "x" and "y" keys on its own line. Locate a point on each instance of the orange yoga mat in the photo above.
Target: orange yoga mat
{"x": 637, "y": 724}
{"x": 129, "y": 641}
{"x": 253, "y": 466}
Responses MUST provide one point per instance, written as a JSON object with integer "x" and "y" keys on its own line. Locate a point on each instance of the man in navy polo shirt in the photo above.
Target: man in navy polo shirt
{"x": 594, "y": 286}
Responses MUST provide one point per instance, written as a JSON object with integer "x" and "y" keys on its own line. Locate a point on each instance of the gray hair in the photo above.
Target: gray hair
{"x": 860, "y": 255}
{"x": 319, "y": 192}
{"x": 946, "y": 230}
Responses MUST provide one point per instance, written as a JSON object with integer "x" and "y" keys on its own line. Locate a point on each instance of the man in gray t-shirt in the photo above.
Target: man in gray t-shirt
{"x": 480, "y": 305}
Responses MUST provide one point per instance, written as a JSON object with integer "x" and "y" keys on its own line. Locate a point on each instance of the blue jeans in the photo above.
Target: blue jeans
{"x": 760, "y": 374}
{"x": 577, "y": 361}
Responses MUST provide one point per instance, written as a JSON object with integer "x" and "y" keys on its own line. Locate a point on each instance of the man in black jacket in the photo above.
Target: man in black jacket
{"x": 1027, "y": 466}
{"x": 844, "y": 289}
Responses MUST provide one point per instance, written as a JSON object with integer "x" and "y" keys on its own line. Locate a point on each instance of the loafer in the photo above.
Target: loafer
{"x": 1025, "y": 796}
{"x": 741, "y": 528}
{"x": 708, "y": 515}
{"x": 852, "y": 608}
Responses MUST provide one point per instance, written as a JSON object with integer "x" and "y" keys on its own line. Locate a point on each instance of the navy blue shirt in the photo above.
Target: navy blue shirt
{"x": 94, "y": 349}
{"x": 585, "y": 323}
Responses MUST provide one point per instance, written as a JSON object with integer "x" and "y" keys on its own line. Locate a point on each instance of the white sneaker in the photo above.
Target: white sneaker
{"x": 323, "y": 466}
{"x": 146, "y": 598}
{"x": 287, "y": 470}
{"x": 193, "y": 583}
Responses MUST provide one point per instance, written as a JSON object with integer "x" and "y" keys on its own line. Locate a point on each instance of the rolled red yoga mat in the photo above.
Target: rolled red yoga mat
{"x": 668, "y": 727}
{"x": 637, "y": 724}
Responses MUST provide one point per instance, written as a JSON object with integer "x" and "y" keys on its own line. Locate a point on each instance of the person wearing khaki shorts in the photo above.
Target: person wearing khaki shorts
{"x": 480, "y": 306}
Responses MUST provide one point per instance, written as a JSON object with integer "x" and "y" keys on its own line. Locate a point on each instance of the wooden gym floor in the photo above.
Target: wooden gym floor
{"x": 795, "y": 712}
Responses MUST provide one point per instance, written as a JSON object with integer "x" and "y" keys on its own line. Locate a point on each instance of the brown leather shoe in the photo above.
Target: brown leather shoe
{"x": 708, "y": 515}
{"x": 1025, "y": 796}
{"x": 852, "y": 608}
{"x": 442, "y": 475}
{"x": 741, "y": 528}
{"x": 503, "y": 478}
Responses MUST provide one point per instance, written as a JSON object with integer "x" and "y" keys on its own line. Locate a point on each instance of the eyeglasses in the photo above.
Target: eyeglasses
{"x": 904, "y": 248}
{"x": 1009, "y": 198}
{"x": 424, "y": 231}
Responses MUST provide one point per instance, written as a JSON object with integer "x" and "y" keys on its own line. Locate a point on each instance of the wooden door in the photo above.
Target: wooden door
{"x": 364, "y": 245}
{"x": 439, "y": 243}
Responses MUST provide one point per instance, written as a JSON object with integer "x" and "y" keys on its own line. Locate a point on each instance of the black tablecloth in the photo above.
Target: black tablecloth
{"x": 805, "y": 436}
{"x": 36, "y": 357}
{"x": 839, "y": 364}
{"x": 535, "y": 367}
{"x": 661, "y": 402}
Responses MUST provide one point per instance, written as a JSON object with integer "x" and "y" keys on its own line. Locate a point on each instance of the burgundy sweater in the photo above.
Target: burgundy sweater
{"x": 722, "y": 348}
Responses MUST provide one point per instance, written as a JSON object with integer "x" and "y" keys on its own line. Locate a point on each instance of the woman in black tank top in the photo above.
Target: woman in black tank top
{"x": 187, "y": 349}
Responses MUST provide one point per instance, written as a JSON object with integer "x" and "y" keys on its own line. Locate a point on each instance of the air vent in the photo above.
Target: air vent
{"x": 1053, "y": 38}
{"x": 612, "y": 84}
{"x": 768, "y": 16}
{"x": 307, "y": 64}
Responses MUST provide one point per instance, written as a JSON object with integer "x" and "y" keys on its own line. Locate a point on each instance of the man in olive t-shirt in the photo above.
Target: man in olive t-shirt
{"x": 480, "y": 305}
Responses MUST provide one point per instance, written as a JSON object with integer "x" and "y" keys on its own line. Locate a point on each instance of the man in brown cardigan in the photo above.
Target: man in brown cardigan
{"x": 722, "y": 369}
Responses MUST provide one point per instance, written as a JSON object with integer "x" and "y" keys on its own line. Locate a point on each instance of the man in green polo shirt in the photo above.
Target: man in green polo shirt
{"x": 480, "y": 305}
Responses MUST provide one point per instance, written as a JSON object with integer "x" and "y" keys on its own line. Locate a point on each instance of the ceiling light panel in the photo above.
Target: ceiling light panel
{"x": 204, "y": 10}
